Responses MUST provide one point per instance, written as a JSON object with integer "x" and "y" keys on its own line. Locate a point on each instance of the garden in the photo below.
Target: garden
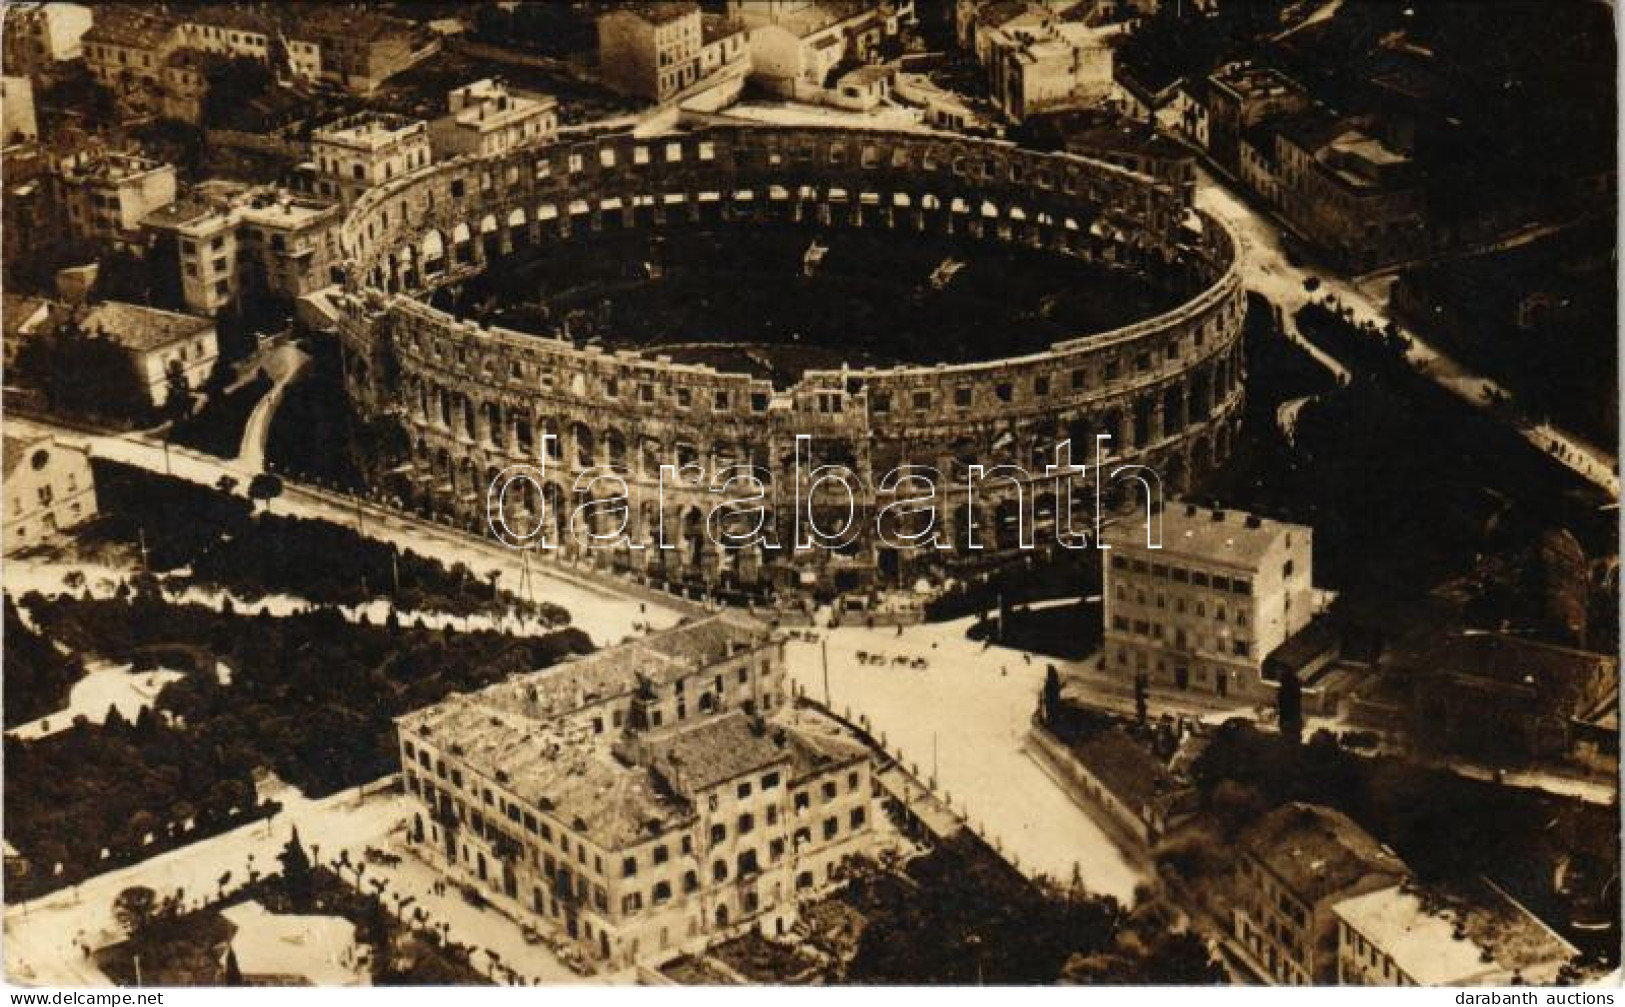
{"x": 311, "y": 697}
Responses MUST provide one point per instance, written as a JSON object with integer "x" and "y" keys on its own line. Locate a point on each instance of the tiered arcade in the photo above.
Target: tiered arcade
{"x": 475, "y": 400}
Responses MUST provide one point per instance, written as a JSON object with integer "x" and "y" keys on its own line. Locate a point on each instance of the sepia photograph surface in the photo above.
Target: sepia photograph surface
{"x": 810, "y": 493}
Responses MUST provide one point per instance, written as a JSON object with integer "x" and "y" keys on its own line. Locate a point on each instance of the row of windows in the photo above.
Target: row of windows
{"x": 1185, "y": 575}
{"x": 1181, "y": 606}
{"x": 1155, "y": 630}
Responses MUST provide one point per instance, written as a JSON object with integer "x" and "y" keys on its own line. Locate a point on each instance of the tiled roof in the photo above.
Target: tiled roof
{"x": 1561, "y": 677}
{"x": 519, "y": 733}
{"x": 662, "y": 11}
{"x": 126, "y": 26}
{"x": 1229, "y": 536}
{"x": 1467, "y": 935}
{"x": 1317, "y": 852}
{"x": 1124, "y": 767}
{"x": 17, "y": 446}
{"x": 716, "y": 750}
{"x": 140, "y": 328}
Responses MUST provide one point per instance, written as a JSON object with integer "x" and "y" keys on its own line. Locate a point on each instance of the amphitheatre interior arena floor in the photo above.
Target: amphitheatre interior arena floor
{"x": 741, "y": 300}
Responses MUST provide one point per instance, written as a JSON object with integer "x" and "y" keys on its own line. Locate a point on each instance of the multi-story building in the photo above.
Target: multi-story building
{"x": 651, "y": 50}
{"x": 1202, "y": 610}
{"x": 27, "y": 207}
{"x": 125, "y": 50}
{"x": 23, "y": 319}
{"x": 1236, "y": 97}
{"x": 263, "y": 239}
{"x": 104, "y": 196}
{"x": 249, "y": 33}
{"x": 1472, "y": 935}
{"x": 185, "y": 84}
{"x": 366, "y": 149}
{"x": 659, "y": 50}
{"x": 1502, "y": 697}
{"x": 1047, "y": 65}
{"x": 643, "y": 798}
{"x": 158, "y": 343}
{"x": 796, "y": 48}
{"x": 48, "y": 489}
{"x": 360, "y": 48}
{"x": 1347, "y": 191}
{"x": 17, "y": 110}
{"x": 1135, "y": 144}
{"x": 1295, "y": 865}
{"x": 488, "y": 119}
{"x": 38, "y": 39}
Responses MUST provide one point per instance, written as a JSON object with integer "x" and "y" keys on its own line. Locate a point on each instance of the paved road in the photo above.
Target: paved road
{"x": 1266, "y": 269}
{"x": 40, "y": 935}
{"x": 604, "y": 614}
{"x": 283, "y": 364}
{"x": 968, "y": 715}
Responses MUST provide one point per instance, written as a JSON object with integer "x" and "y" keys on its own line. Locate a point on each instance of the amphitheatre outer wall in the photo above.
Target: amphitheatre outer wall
{"x": 475, "y": 400}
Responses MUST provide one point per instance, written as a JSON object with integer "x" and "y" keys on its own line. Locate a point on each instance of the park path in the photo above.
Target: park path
{"x": 284, "y": 364}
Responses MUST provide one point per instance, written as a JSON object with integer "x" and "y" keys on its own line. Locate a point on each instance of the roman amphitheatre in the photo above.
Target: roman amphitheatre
{"x": 708, "y": 294}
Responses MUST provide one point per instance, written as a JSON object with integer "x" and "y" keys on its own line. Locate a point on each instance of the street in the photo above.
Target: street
{"x": 1266, "y": 269}
{"x": 604, "y": 615}
{"x": 966, "y": 717}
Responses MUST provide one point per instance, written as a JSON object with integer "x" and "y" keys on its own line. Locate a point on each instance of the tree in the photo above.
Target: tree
{"x": 83, "y": 374}
{"x": 1052, "y": 695}
{"x": 265, "y": 488}
{"x": 234, "y": 973}
{"x": 233, "y": 84}
{"x": 1290, "y": 707}
{"x": 133, "y": 909}
{"x": 1141, "y": 707}
{"x": 296, "y": 873}
{"x": 177, "y": 391}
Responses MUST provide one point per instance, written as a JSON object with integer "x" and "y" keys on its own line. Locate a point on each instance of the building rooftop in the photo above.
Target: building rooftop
{"x": 236, "y": 16}
{"x": 367, "y": 129}
{"x": 107, "y": 166}
{"x": 520, "y": 733}
{"x": 140, "y": 328}
{"x": 21, "y": 314}
{"x": 352, "y": 24}
{"x": 1471, "y": 935}
{"x": 1317, "y": 852}
{"x": 1120, "y": 134}
{"x": 1311, "y": 129}
{"x": 486, "y": 104}
{"x": 1556, "y": 677}
{"x": 554, "y": 769}
{"x": 124, "y": 25}
{"x": 715, "y": 26}
{"x": 1249, "y": 80}
{"x": 17, "y": 447}
{"x": 1225, "y": 536}
{"x": 1124, "y": 767}
{"x": 716, "y": 750}
{"x": 658, "y": 13}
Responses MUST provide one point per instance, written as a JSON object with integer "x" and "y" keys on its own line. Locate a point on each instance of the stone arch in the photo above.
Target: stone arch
{"x": 584, "y": 444}
{"x": 614, "y": 446}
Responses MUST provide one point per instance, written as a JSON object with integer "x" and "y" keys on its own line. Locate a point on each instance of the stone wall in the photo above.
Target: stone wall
{"x": 475, "y": 400}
